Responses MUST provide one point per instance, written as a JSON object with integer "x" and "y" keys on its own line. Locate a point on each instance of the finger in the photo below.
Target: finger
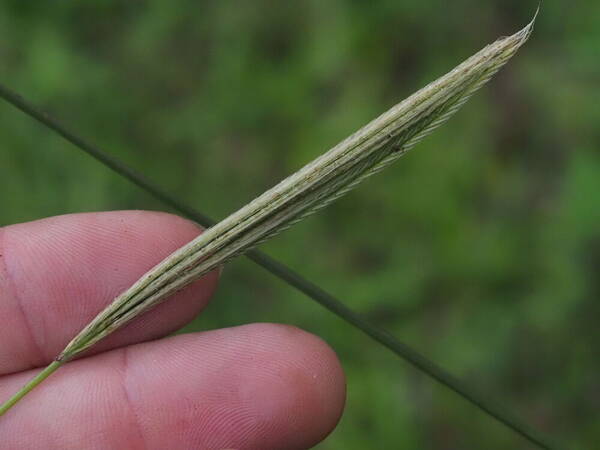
{"x": 56, "y": 274}
{"x": 260, "y": 386}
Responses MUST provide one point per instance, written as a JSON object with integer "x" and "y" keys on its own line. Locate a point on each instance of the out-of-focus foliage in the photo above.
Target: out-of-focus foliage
{"x": 481, "y": 247}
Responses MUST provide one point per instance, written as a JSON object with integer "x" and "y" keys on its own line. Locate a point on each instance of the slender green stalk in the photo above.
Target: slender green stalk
{"x": 49, "y": 370}
{"x": 445, "y": 109}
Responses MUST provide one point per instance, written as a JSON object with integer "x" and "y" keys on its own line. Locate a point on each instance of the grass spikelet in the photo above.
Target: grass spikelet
{"x": 311, "y": 188}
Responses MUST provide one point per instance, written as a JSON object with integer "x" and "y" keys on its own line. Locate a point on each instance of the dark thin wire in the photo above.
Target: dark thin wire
{"x": 294, "y": 279}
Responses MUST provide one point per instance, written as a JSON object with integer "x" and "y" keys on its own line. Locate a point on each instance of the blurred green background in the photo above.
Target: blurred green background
{"x": 480, "y": 248}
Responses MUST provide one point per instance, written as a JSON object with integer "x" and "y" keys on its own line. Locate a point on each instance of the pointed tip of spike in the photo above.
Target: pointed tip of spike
{"x": 520, "y": 37}
{"x": 537, "y": 11}
{"x": 526, "y": 32}
{"x": 535, "y": 16}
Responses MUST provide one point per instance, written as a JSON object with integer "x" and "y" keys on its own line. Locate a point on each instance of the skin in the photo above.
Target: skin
{"x": 258, "y": 386}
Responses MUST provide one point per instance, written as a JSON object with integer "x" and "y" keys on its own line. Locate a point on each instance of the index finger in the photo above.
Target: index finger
{"x": 56, "y": 274}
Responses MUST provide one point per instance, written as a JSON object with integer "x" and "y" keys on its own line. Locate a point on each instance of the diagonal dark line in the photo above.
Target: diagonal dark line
{"x": 294, "y": 279}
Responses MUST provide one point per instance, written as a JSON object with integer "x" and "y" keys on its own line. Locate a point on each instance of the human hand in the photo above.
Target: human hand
{"x": 257, "y": 386}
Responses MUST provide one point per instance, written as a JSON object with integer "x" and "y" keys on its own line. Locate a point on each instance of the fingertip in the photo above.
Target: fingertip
{"x": 306, "y": 389}
{"x": 275, "y": 385}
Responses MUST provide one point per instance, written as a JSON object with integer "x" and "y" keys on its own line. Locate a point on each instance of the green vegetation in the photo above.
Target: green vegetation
{"x": 485, "y": 241}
